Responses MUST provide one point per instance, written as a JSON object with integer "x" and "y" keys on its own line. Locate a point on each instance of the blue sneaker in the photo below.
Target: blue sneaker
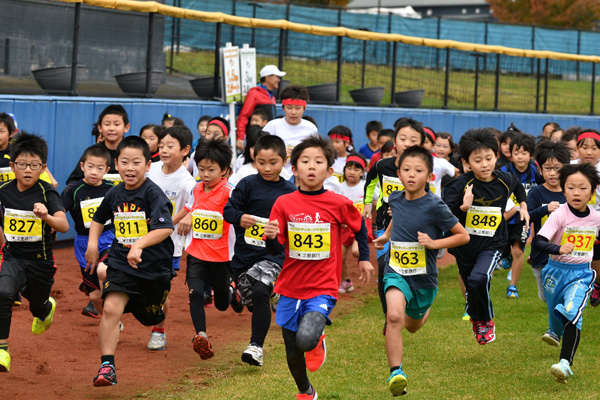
{"x": 507, "y": 262}
{"x": 511, "y": 292}
{"x": 561, "y": 371}
{"x": 397, "y": 382}
{"x": 551, "y": 338}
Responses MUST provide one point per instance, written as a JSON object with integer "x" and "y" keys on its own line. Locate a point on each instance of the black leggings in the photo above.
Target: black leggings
{"x": 297, "y": 343}
{"x": 380, "y": 285}
{"x": 261, "y": 312}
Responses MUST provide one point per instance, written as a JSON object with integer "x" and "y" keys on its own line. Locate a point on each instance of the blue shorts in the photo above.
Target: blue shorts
{"x": 418, "y": 301}
{"x": 386, "y": 248}
{"x": 566, "y": 288}
{"x": 176, "y": 263}
{"x": 290, "y": 311}
{"x": 81, "y": 242}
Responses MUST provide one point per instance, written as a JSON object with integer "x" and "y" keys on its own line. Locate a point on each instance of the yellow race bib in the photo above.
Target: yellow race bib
{"x": 359, "y": 205}
{"x": 390, "y": 184}
{"x": 22, "y": 226}
{"x": 114, "y": 178}
{"x": 88, "y": 209}
{"x": 408, "y": 258}
{"x": 582, "y": 237}
{"x": 483, "y": 221}
{"x": 309, "y": 241}
{"x": 6, "y": 174}
{"x": 207, "y": 225}
{"x": 254, "y": 235}
{"x": 339, "y": 176}
{"x": 130, "y": 227}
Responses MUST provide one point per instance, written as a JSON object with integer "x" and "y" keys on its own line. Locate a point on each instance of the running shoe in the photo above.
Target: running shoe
{"x": 90, "y": 311}
{"x": 18, "y": 301}
{"x": 441, "y": 253}
{"x": 236, "y": 298}
{"x": 202, "y": 346}
{"x": 38, "y": 327}
{"x": 511, "y": 292}
{"x": 158, "y": 341}
{"x": 595, "y": 296}
{"x": 253, "y": 355}
{"x": 561, "y": 371}
{"x": 304, "y": 396}
{"x": 507, "y": 262}
{"x": 274, "y": 300}
{"x": 397, "y": 382}
{"x": 208, "y": 300}
{"x": 4, "y": 361}
{"x": 466, "y": 317}
{"x": 485, "y": 332}
{"x": 509, "y": 276}
{"x": 315, "y": 358}
{"x": 551, "y": 338}
{"x": 107, "y": 375}
{"x": 346, "y": 286}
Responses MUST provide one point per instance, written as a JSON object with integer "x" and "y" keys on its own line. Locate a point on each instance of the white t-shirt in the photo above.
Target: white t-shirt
{"x": 291, "y": 134}
{"x": 178, "y": 188}
{"x": 332, "y": 183}
{"x": 441, "y": 168}
{"x": 338, "y": 168}
{"x": 238, "y": 163}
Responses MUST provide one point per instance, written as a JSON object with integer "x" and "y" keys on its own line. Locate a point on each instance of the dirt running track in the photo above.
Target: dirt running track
{"x": 61, "y": 363}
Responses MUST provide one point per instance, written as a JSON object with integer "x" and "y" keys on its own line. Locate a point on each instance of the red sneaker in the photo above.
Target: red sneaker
{"x": 595, "y": 296}
{"x": 315, "y": 358}
{"x": 304, "y": 396}
{"x": 202, "y": 346}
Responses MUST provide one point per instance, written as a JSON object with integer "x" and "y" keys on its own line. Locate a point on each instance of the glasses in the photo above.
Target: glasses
{"x": 23, "y": 165}
{"x": 548, "y": 169}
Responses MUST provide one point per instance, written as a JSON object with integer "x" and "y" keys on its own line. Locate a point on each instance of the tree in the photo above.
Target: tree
{"x": 576, "y": 14}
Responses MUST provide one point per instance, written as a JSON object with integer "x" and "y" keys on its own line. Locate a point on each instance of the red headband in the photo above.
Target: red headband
{"x": 356, "y": 159}
{"x": 294, "y": 102}
{"x": 220, "y": 125}
{"x": 430, "y": 133}
{"x": 588, "y": 134}
{"x": 341, "y": 137}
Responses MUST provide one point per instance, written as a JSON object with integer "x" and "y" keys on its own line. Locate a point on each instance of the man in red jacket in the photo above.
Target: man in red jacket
{"x": 259, "y": 96}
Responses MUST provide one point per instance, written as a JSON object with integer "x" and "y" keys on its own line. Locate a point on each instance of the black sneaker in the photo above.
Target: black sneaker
{"x": 106, "y": 375}
{"x": 208, "y": 300}
{"x": 90, "y": 311}
{"x": 236, "y": 299}
{"x": 595, "y": 296}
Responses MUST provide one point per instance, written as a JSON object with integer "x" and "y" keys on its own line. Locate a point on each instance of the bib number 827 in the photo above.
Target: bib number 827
{"x": 19, "y": 225}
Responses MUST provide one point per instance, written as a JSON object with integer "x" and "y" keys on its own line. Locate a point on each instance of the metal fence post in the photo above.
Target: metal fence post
{"x": 394, "y": 61}
{"x": 287, "y": 17}
{"x": 485, "y": 41}
{"x": 253, "y": 29}
{"x": 532, "y": 45}
{"x": 233, "y": 4}
{"x": 537, "y": 85}
{"x": 364, "y": 64}
{"x": 217, "y": 61}
{"x": 338, "y": 79}
{"x": 388, "y": 43}
{"x": 497, "y": 86}
{"x": 593, "y": 88}
{"x": 149, "y": 55}
{"x": 75, "y": 49}
{"x": 578, "y": 50}
{"x": 172, "y": 41}
{"x": 447, "y": 81}
{"x": 281, "y": 48}
{"x": 178, "y": 29}
{"x": 437, "y": 51}
{"x": 477, "y": 57}
{"x": 546, "y": 86}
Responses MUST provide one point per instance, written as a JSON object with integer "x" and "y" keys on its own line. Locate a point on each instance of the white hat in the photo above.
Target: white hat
{"x": 268, "y": 70}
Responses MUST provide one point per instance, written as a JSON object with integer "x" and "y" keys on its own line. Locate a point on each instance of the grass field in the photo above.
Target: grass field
{"x": 442, "y": 360}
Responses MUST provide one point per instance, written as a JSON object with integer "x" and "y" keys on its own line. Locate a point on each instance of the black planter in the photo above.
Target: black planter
{"x": 56, "y": 81}
{"x": 410, "y": 98}
{"x": 134, "y": 84}
{"x": 204, "y": 88}
{"x": 282, "y": 85}
{"x": 370, "y": 96}
{"x": 322, "y": 94}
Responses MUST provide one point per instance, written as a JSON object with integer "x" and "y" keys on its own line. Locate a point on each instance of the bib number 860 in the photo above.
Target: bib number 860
{"x": 205, "y": 224}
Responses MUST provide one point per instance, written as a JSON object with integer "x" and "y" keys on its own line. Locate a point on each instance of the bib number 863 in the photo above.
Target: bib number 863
{"x": 406, "y": 258}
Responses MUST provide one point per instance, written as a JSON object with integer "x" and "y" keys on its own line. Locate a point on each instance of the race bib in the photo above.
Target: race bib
{"x": 390, "y": 184}
{"x": 207, "y": 225}
{"x": 340, "y": 177}
{"x": 22, "y": 226}
{"x": 359, "y": 205}
{"x": 173, "y": 204}
{"x": 483, "y": 221}
{"x": 88, "y": 209}
{"x": 582, "y": 237}
{"x": 114, "y": 178}
{"x": 130, "y": 227}
{"x": 309, "y": 241}
{"x": 513, "y": 198}
{"x": 6, "y": 174}
{"x": 408, "y": 258}
{"x": 254, "y": 235}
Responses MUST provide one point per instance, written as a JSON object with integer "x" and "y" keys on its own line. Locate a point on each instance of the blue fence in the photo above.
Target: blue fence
{"x": 523, "y": 37}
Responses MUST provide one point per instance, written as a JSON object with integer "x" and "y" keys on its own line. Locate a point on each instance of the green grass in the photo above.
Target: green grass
{"x": 442, "y": 360}
{"x": 517, "y": 92}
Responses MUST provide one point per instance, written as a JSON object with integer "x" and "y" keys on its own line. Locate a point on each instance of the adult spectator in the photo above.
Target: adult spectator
{"x": 260, "y": 96}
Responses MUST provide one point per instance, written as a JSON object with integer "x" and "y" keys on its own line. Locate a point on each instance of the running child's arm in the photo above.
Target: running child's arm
{"x": 364, "y": 264}
{"x": 383, "y": 239}
{"x": 521, "y": 196}
{"x": 543, "y": 245}
{"x": 179, "y": 216}
{"x": 184, "y": 223}
{"x": 2, "y": 241}
{"x": 272, "y": 243}
{"x": 370, "y": 185}
{"x": 509, "y": 214}
{"x": 91, "y": 254}
{"x": 467, "y": 199}
{"x": 233, "y": 211}
{"x": 155, "y": 236}
{"x": 459, "y": 237}
{"x": 57, "y": 221}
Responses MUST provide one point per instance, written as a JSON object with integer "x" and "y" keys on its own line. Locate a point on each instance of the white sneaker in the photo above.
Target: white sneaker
{"x": 561, "y": 371}
{"x": 158, "y": 341}
{"x": 253, "y": 355}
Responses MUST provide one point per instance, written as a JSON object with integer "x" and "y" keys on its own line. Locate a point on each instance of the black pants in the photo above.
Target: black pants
{"x": 477, "y": 276}
{"x": 34, "y": 278}
{"x": 380, "y": 285}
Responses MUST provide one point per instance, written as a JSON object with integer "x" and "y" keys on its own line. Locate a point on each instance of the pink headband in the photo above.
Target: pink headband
{"x": 588, "y": 135}
{"x": 220, "y": 125}
{"x": 356, "y": 159}
{"x": 294, "y": 102}
{"x": 341, "y": 137}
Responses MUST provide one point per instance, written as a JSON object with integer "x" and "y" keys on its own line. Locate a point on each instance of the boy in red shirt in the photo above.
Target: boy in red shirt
{"x": 307, "y": 225}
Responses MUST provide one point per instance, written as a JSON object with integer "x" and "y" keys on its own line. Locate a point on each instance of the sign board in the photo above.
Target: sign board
{"x": 230, "y": 71}
{"x": 248, "y": 66}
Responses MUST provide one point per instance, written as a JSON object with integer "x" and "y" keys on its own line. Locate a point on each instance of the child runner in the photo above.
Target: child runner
{"x": 307, "y": 225}
{"x": 542, "y": 201}
{"x": 217, "y": 128}
{"x": 388, "y": 150}
{"x": 411, "y": 273}
{"x": 169, "y": 120}
{"x": 569, "y": 138}
{"x": 353, "y": 187}
{"x": 372, "y": 146}
{"x": 441, "y": 167}
{"x": 568, "y": 236}
{"x": 504, "y": 139}
{"x": 253, "y": 133}
{"x": 81, "y": 199}
{"x": 152, "y": 134}
{"x": 31, "y": 209}
{"x": 341, "y": 138}
{"x": 248, "y": 210}
{"x": 140, "y": 260}
{"x": 208, "y": 247}
{"x": 384, "y": 136}
{"x": 175, "y": 181}
{"x": 478, "y": 198}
